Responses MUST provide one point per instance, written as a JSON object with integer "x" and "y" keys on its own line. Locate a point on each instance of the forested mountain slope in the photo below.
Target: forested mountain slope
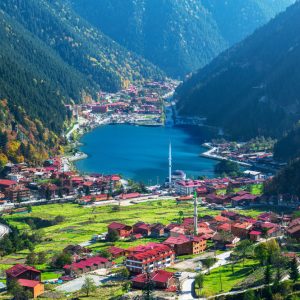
{"x": 251, "y": 89}
{"x": 48, "y": 58}
{"x": 79, "y": 44}
{"x": 287, "y": 181}
{"x": 178, "y": 35}
{"x": 288, "y": 147}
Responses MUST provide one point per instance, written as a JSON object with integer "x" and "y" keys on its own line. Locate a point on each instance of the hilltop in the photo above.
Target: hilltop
{"x": 251, "y": 89}
{"x": 179, "y": 36}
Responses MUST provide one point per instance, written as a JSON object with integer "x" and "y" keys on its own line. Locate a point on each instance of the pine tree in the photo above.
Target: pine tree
{"x": 294, "y": 272}
{"x": 267, "y": 275}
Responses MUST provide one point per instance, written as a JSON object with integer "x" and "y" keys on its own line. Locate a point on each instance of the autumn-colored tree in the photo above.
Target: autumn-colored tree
{"x": 3, "y": 160}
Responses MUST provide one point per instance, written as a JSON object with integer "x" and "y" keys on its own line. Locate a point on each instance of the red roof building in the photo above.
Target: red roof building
{"x": 35, "y": 287}
{"x": 155, "y": 256}
{"x": 20, "y": 271}
{"x": 5, "y": 183}
{"x": 87, "y": 265}
{"x": 130, "y": 196}
{"x": 160, "y": 279}
{"x": 116, "y": 252}
{"x": 122, "y": 230}
{"x": 183, "y": 245}
{"x": 28, "y": 277}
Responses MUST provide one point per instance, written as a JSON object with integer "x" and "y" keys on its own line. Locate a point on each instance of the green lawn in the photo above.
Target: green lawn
{"x": 256, "y": 189}
{"x": 212, "y": 281}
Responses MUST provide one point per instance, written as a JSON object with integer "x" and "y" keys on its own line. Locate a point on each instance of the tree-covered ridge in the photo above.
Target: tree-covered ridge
{"x": 288, "y": 147}
{"x": 252, "y": 89}
{"x": 79, "y": 44}
{"x": 34, "y": 78}
{"x": 23, "y": 138}
{"x": 179, "y": 36}
{"x": 286, "y": 181}
{"x": 49, "y": 57}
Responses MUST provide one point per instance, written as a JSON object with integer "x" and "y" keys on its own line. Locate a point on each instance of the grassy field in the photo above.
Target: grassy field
{"x": 212, "y": 282}
{"x": 81, "y": 223}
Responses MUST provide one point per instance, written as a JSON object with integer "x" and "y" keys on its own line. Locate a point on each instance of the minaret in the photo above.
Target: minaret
{"x": 170, "y": 165}
{"x": 195, "y": 215}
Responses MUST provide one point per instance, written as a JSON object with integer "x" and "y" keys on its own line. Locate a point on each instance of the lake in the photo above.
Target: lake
{"x": 141, "y": 153}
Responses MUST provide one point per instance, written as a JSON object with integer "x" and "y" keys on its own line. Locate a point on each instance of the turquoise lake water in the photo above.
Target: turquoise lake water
{"x": 141, "y": 153}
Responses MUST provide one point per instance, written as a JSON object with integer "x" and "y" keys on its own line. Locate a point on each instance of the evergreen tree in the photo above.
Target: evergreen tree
{"x": 294, "y": 271}
{"x": 267, "y": 275}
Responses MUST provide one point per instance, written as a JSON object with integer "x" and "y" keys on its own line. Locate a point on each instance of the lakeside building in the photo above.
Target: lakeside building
{"x": 187, "y": 187}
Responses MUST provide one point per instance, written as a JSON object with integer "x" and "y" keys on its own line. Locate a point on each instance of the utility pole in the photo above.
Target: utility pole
{"x": 170, "y": 165}
{"x": 195, "y": 215}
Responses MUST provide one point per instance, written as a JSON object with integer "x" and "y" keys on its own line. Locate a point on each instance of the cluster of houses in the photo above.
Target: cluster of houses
{"x": 222, "y": 231}
{"x": 24, "y": 183}
{"x": 133, "y": 100}
{"x": 242, "y": 153}
{"x": 219, "y": 191}
{"x": 147, "y": 262}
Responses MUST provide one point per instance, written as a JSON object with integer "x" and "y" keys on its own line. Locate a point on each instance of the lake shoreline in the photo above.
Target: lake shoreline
{"x": 85, "y": 168}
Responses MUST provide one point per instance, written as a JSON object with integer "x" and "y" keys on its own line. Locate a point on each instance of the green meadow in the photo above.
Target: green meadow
{"x": 81, "y": 223}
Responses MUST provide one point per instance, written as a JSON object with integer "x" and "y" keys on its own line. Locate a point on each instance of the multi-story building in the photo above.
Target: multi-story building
{"x": 17, "y": 192}
{"x": 186, "y": 245}
{"x": 187, "y": 187}
{"x": 152, "y": 258}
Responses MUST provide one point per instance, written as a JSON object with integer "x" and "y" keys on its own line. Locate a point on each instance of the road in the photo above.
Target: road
{"x": 98, "y": 276}
{"x": 3, "y": 230}
{"x": 187, "y": 282}
{"x": 188, "y": 278}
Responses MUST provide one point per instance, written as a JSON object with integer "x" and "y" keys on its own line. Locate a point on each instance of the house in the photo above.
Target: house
{"x": 255, "y": 235}
{"x": 116, "y": 252}
{"x": 77, "y": 251}
{"x": 293, "y": 229}
{"x": 121, "y": 229}
{"x": 222, "y": 241}
{"x": 28, "y": 277}
{"x": 217, "y": 199}
{"x": 130, "y": 196}
{"x": 253, "y": 174}
{"x": 149, "y": 258}
{"x": 187, "y": 187}
{"x": 186, "y": 245}
{"x": 141, "y": 228}
{"x": 160, "y": 279}
{"x": 157, "y": 230}
{"x": 20, "y": 271}
{"x": 17, "y": 192}
{"x": 86, "y": 265}
{"x": 35, "y": 287}
{"x": 243, "y": 200}
{"x": 230, "y": 215}
{"x": 241, "y": 230}
{"x": 5, "y": 183}
{"x": 177, "y": 231}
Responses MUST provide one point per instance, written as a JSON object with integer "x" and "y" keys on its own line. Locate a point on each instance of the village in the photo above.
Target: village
{"x": 86, "y": 235}
{"x": 135, "y": 105}
{"x": 209, "y": 226}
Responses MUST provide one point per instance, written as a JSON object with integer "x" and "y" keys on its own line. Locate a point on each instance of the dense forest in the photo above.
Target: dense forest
{"x": 49, "y": 58}
{"x": 251, "y": 89}
{"x": 288, "y": 147}
{"x": 178, "y": 35}
{"x": 287, "y": 181}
